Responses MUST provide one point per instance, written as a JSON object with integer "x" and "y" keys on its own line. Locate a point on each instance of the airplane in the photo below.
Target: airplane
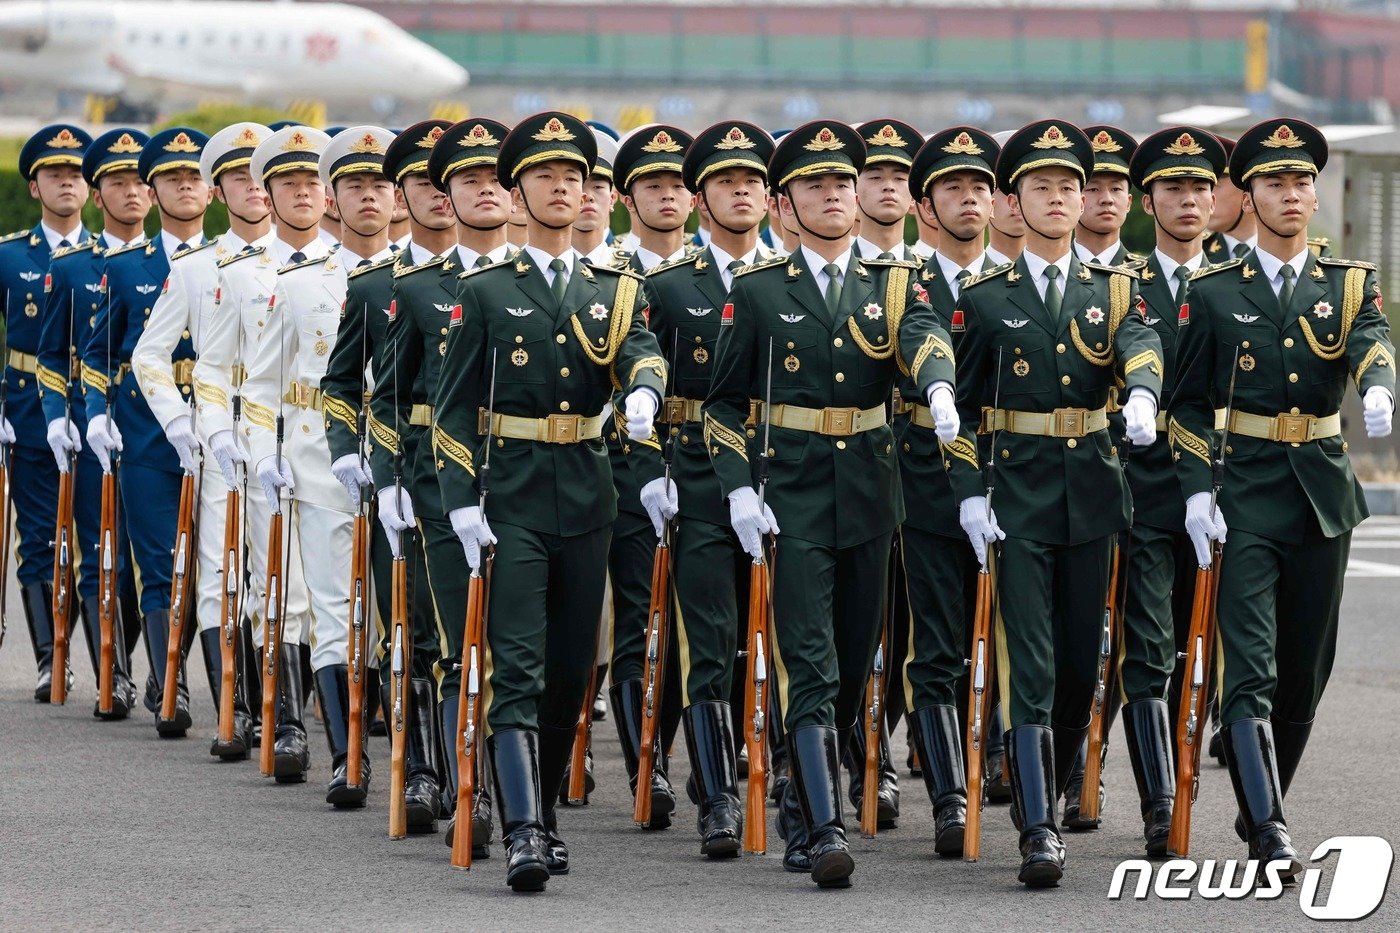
{"x": 141, "y": 50}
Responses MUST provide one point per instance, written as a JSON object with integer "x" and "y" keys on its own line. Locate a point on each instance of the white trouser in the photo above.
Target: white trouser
{"x": 326, "y": 536}
{"x": 209, "y": 580}
{"x": 259, "y": 518}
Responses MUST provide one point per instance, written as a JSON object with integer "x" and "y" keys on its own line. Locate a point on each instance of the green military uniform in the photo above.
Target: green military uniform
{"x": 834, "y": 482}
{"x": 1289, "y": 493}
{"x": 1060, "y": 493}
{"x": 556, "y": 362}
{"x": 940, "y": 568}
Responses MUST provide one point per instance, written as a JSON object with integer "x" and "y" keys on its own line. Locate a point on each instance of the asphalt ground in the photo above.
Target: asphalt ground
{"x": 106, "y": 826}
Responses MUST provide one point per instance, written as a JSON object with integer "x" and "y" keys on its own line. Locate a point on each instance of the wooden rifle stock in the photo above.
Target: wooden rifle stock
{"x": 358, "y": 647}
{"x": 874, "y": 707}
{"x": 469, "y": 708}
{"x": 756, "y": 706}
{"x": 583, "y": 734}
{"x": 653, "y": 675}
{"x": 1191, "y": 717}
{"x": 400, "y": 647}
{"x": 272, "y": 641}
{"x": 107, "y": 592}
{"x": 62, "y": 584}
{"x": 180, "y": 574}
{"x": 979, "y": 700}
{"x": 1098, "y": 713}
{"x": 229, "y": 615}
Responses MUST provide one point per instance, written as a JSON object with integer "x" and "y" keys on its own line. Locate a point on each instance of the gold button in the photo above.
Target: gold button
{"x": 771, "y": 452}
{"x": 564, "y": 372}
{"x": 306, "y": 429}
{"x": 840, "y": 377}
{"x": 500, "y": 442}
{"x": 260, "y": 323}
{"x": 443, "y": 332}
{"x": 791, "y": 345}
{"x": 1064, "y": 380}
{"x": 887, "y": 448}
{"x": 685, "y": 438}
{"x": 1005, "y": 453}
{"x": 520, "y": 339}
{"x": 906, "y": 448}
{"x": 1071, "y": 443}
{"x": 1113, "y": 451}
{"x": 1229, "y": 448}
{"x": 319, "y": 334}
{"x": 840, "y": 445}
{"x": 185, "y": 335}
{"x": 1292, "y": 377}
{"x": 1345, "y": 447}
{"x": 1018, "y": 349}
{"x": 150, "y": 392}
{"x": 564, "y": 406}
{"x": 1330, "y": 337}
{"x": 1295, "y": 444}
{"x": 751, "y": 432}
{"x": 1293, "y": 410}
{"x": 612, "y": 435}
{"x": 1288, "y": 341}
{"x": 1098, "y": 346}
{"x": 1059, "y": 348}
{"x": 836, "y": 342}
{"x": 1245, "y": 344}
{"x": 21, "y": 383}
{"x": 558, "y": 338}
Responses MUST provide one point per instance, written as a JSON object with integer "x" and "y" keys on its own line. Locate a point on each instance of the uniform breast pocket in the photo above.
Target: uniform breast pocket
{"x": 695, "y": 354}
{"x": 317, "y": 337}
{"x": 1257, "y": 363}
{"x": 1026, "y": 369}
{"x": 521, "y": 351}
{"x": 796, "y": 357}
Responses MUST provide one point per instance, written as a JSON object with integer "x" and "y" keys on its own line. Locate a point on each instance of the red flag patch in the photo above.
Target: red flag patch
{"x": 165, "y": 287}
{"x": 1142, "y": 307}
{"x": 455, "y": 320}
{"x": 959, "y": 323}
{"x": 218, "y": 296}
{"x": 48, "y": 282}
{"x": 727, "y": 315}
{"x": 920, "y": 292}
{"x": 393, "y": 310}
{"x": 1183, "y": 317}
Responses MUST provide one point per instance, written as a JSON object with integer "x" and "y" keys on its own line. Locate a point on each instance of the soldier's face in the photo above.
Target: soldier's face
{"x": 599, "y": 196}
{"x": 1285, "y": 203}
{"x": 661, "y": 200}
{"x": 426, "y": 204}
{"x": 478, "y": 198}
{"x": 551, "y": 193}
{"x": 365, "y": 202}
{"x": 1106, "y": 203}
{"x": 243, "y": 196}
{"x": 1229, "y": 203}
{"x": 882, "y": 191}
{"x": 124, "y": 196}
{"x": 733, "y": 198}
{"x": 60, "y": 189}
{"x": 1006, "y": 218}
{"x": 298, "y": 199}
{"x": 964, "y": 203}
{"x": 1181, "y": 205}
{"x": 1050, "y": 201}
{"x": 181, "y": 193}
{"x": 823, "y": 204}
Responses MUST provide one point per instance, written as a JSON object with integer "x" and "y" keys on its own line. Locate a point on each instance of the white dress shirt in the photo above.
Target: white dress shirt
{"x": 542, "y": 260}
{"x": 723, "y": 259}
{"x": 1104, "y": 259}
{"x": 1271, "y": 266}
{"x": 469, "y": 256}
{"x": 818, "y": 266}
{"x": 1037, "y": 266}
{"x": 951, "y": 269}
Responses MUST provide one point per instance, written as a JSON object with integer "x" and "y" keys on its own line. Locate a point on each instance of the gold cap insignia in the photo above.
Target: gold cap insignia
{"x": 887, "y": 136}
{"x": 1185, "y": 145}
{"x": 825, "y": 141}
{"x": 297, "y": 142}
{"x": 181, "y": 143}
{"x": 367, "y": 143}
{"x": 248, "y": 139}
{"x": 1282, "y": 138}
{"x": 479, "y": 135}
{"x": 662, "y": 142}
{"x": 64, "y": 140}
{"x": 962, "y": 144}
{"x": 124, "y": 145}
{"x": 1103, "y": 142}
{"x": 1052, "y": 138}
{"x": 553, "y": 131}
{"x": 430, "y": 138}
{"x": 735, "y": 139}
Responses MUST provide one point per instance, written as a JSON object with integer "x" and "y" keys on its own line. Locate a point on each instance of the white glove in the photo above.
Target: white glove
{"x": 749, "y": 522}
{"x": 1203, "y": 527}
{"x": 275, "y": 474}
{"x": 350, "y": 473}
{"x": 662, "y": 502}
{"x": 7, "y": 431}
{"x": 640, "y": 409}
{"x": 980, "y": 524}
{"x": 104, "y": 439}
{"x": 395, "y": 514}
{"x": 63, "y": 440}
{"x": 229, "y": 454}
{"x": 1140, "y": 417}
{"x": 945, "y": 416}
{"x": 1377, "y": 409}
{"x": 473, "y": 532}
{"x": 180, "y": 433}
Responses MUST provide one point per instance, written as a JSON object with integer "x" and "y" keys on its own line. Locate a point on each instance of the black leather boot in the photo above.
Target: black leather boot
{"x": 515, "y": 755}
{"x": 887, "y": 794}
{"x": 333, "y": 690}
{"x": 996, "y": 783}
{"x": 1290, "y": 739}
{"x": 291, "y": 755}
{"x": 481, "y": 798}
{"x": 37, "y": 600}
{"x": 1071, "y": 749}
{"x": 627, "y": 716}
{"x": 1031, "y": 764}
{"x": 1149, "y": 736}
{"x": 933, "y": 732}
{"x": 556, "y": 747}
{"x": 157, "y": 630}
{"x": 709, "y": 739}
{"x": 123, "y": 690}
{"x": 422, "y": 794}
{"x": 816, "y": 772}
{"x": 236, "y": 749}
{"x": 1255, "y": 774}
{"x": 251, "y": 674}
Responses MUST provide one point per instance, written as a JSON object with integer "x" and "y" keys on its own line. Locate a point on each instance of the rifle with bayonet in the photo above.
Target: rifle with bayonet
{"x": 181, "y": 572}
{"x": 400, "y": 651}
{"x": 757, "y": 699}
{"x": 63, "y": 532}
{"x": 6, "y": 500}
{"x": 361, "y": 537}
{"x": 107, "y": 560}
{"x": 230, "y": 603}
{"x": 275, "y": 600}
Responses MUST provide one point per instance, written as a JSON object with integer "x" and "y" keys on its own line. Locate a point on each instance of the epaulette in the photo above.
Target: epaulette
{"x": 243, "y": 254}
{"x": 475, "y": 269}
{"x": 409, "y": 270}
{"x": 1319, "y": 241}
{"x": 194, "y": 249}
{"x": 1134, "y": 263}
{"x": 1134, "y": 257}
{"x": 688, "y": 259}
{"x": 987, "y": 274}
{"x": 906, "y": 263}
{"x": 765, "y": 264}
{"x": 17, "y": 235}
{"x": 387, "y": 260}
{"x": 318, "y": 261}
{"x": 71, "y": 250}
{"x": 1208, "y": 270}
{"x": 620, "y": 270}
{"x": 128, "y": 248}
{"x": 1112, "y": 270}
{"x": 1352, "y": 263}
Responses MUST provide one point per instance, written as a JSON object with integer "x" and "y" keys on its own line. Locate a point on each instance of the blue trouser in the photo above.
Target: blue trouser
{"x": 151, "y": 502}
{"x": 34, "y": 491}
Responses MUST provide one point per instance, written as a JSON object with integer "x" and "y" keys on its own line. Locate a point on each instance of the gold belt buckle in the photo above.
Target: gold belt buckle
{"x": 563, "y": 429}
{"x": 675, "y": 410}
{"x": 1069, "y": 422}
{"x": 838, "y": 422}
{"x": 755, "y": 413}
{"x": 1294, "y": 429}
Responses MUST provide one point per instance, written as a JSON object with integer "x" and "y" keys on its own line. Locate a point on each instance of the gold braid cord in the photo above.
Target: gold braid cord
{"x": 1120, "y": 292}
{"x": 93, "y": 378}
{"x": 51, "y": 380}
{"x": 719, "y": 434}
{"x": 618, "y": 325}
{"x": 931, "y": 343}
{"x": 453, "y": 449}
{"x": 1352, "y": 296}
{"x": 340, "y": 411}
{"x": 1182, "y": 439}
{"x": 896, "y": 294}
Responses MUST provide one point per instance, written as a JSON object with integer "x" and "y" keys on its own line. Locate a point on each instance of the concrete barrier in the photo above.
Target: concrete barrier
{"x": 1382, "y": 498}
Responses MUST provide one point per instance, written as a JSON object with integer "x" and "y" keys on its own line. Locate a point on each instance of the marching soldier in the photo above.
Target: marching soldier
{"x": 75, "y": 282}
{"x": 181, "y": 312}
{"x": 841, "y": 329}
{"x": 552, "y": 336}
{"x": 151, "y": 467}
{"x": 51, "y": 161}
{"x": 1107, "y": 200}
{"x": 1233, "y": 232}
{"x": 1047, "y": 336}
{"x": 599, "y": 197}
{"x": 882, "y": 191}
{"x": 1006, "y": 237}
{"x": 952, "y": 177}
{"x": 1289, "y": 330}
{"x": 285, "y": 164}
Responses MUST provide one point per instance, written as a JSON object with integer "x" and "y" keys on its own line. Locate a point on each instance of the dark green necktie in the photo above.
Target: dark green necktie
{"x": 1053, "y": 297}
{"x": 962, "y": 276}
{"x": 1285, "y": 293}
{"x": 833, "y": 286}
{"x": 1240, "y": 250}
{"x": 886, "y": 256}
{"x": 482, "y": 261}
{"x": 561, "y": 281}
{"x": 1181, "y": 274}
{"x": 735, "y": 265}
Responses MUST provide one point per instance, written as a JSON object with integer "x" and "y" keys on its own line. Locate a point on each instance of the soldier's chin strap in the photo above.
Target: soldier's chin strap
{"x": 1158, "y": 223}
{"x": 1259, "y": 218}
{"x": 821, "y": 236}
{"x": 725, "y": 227}
{"x": 536, "y": 219}
{"x": 944, "y": 228}
{"x": 285, "y": 223}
